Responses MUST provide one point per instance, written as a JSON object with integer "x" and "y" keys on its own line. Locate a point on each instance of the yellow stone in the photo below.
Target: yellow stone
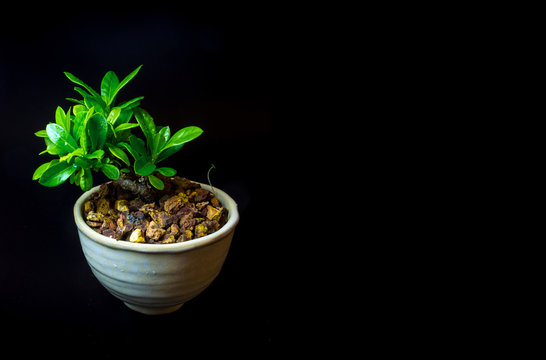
{"x": 214, "y": 201}
{"x": 103, "y": 206}
{"x": 188, "y": 235}
{"x": 213, "y": 213}
{"x": 122, "y": 206}
{"x": 87, "y": 206}
{"x": 137, "y": 237}
{"x": 183, "y": 197}
{"x": 93, "y": 216}
{"x": 200, "y": 230}
{"x": 169, "y": 240}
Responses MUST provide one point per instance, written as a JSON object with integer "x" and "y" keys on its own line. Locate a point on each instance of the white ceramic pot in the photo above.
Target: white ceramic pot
{"x": 156, "y": 278}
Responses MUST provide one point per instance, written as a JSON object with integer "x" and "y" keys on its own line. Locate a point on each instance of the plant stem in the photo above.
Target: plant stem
{"x": 208, "y": 177}
{"x": 138, "y": 187}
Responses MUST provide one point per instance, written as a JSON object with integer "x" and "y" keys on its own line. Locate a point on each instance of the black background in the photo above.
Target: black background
{"x": 214, "y": 69}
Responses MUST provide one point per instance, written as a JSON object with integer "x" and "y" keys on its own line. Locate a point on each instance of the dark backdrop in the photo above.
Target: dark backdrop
{"x": 213, "y": 69}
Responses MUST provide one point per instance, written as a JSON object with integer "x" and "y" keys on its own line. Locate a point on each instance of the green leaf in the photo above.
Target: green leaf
{"x": 156, "y": 182}
{"x": 108, "y": 86}
{"x": 112, "y": 117}
{"x": 41, "y": 133}
{"x": 78, "y": 152}
{"x": 97, "y": 103}
{"x": 78, "y": 109}
{"x": 82, "y": 92}
{"x": 60, "y": 137}
{"x": 77, "y": 129}
{"x": 111, "y": 132}
{"x": 42, "y": 168}
{"x": 125, "y": 127}
{"x": 53, "y": 149}
{"x": 83, "y": 162}
{"x": 90, "y": 113}
{"x": 160, "y": 139}
{"x": 130, "y": 102}
{"x": 166, "y": 171}
{"x": 79, "y": 82}
{"x": 80, "y": 102}
{"x": 137, "y": 144}
{"x": 184, "y": 135}
{"x": 84, "y": 141}
{"x": 129, "y": 148}
{"x": 97, "y": 154}
{"x": 97, "y": 128}
{"x": 120, "y": 154}
{"x": 143, "y": 167}
{"x": 147, "y": 125}
{"x": 124, "y": 117}
{"x": 59, "y": 116}
{"x": 165, "y": 153}
{"x": 75, "y": 178}
{"x": 57, "y": 174}
{"x": 111, "y": 171}
{"x": 125, "y": 81}
{"x": 62, "y": 119}
{"x": 68, "y": 121}
{"x": 68, "y": 157}
{"x": 86, "y": 180}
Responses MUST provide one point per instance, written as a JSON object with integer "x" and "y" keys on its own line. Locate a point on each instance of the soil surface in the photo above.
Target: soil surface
{"x": 181, "y": 211}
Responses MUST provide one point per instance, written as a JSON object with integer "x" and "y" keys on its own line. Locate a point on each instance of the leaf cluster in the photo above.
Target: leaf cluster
{"x": 95, "y": 135}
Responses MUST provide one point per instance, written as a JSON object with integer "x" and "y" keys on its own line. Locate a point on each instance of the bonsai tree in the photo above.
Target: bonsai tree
{"x": 96, "y": 135}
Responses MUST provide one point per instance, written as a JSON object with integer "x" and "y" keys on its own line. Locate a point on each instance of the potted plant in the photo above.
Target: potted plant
{"x": 152, "y": 239}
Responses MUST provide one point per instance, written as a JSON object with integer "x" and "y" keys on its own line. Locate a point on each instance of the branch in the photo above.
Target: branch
{"x": 138, "y": 187}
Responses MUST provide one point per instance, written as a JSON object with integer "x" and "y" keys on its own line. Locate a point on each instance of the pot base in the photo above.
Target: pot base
{"x": 152, "y": 310}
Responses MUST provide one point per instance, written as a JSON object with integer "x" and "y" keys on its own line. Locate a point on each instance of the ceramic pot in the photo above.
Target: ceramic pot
{"x": 156, "y": 278}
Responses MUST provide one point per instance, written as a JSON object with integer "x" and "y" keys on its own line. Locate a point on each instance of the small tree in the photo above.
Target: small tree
{"x": 96, "y": 135}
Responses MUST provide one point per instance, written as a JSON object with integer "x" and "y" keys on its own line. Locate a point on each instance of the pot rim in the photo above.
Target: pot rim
{"x": 229, "y": 226}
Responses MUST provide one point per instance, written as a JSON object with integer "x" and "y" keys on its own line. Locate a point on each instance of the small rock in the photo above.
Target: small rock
{"x": 147, "y": 208}
{"x": 202, "y": 195}
{"x": 109, "y": 232}
{"x": 108, "y": 223}
{"x": 136, "y": 217}
{"x": 213, "y": 213}
{"x": 215, "y": 202}
{"x": 123, "y": 225}
{"x": 88, "y": 206}
{"x": 154, "y": 231}
{"x": 95, "y": 217}
{"x": 136, "y": 236}
{"x": 162, "y": 218}
{"x": 200, "y": 230}
{"x": 103, "y": 206}
{"x": 122, "y": 206}
{"x": 212, "y": 225}
{"x": 94, "y": 224}
{"x": 173, "y": 204}
{"x": 169, "y": 240}
{"x": 183, "y": 183}
{"x": 187, "y": 222}
{"x": 185, "y": 236}
{"x": 136, "y": 204}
